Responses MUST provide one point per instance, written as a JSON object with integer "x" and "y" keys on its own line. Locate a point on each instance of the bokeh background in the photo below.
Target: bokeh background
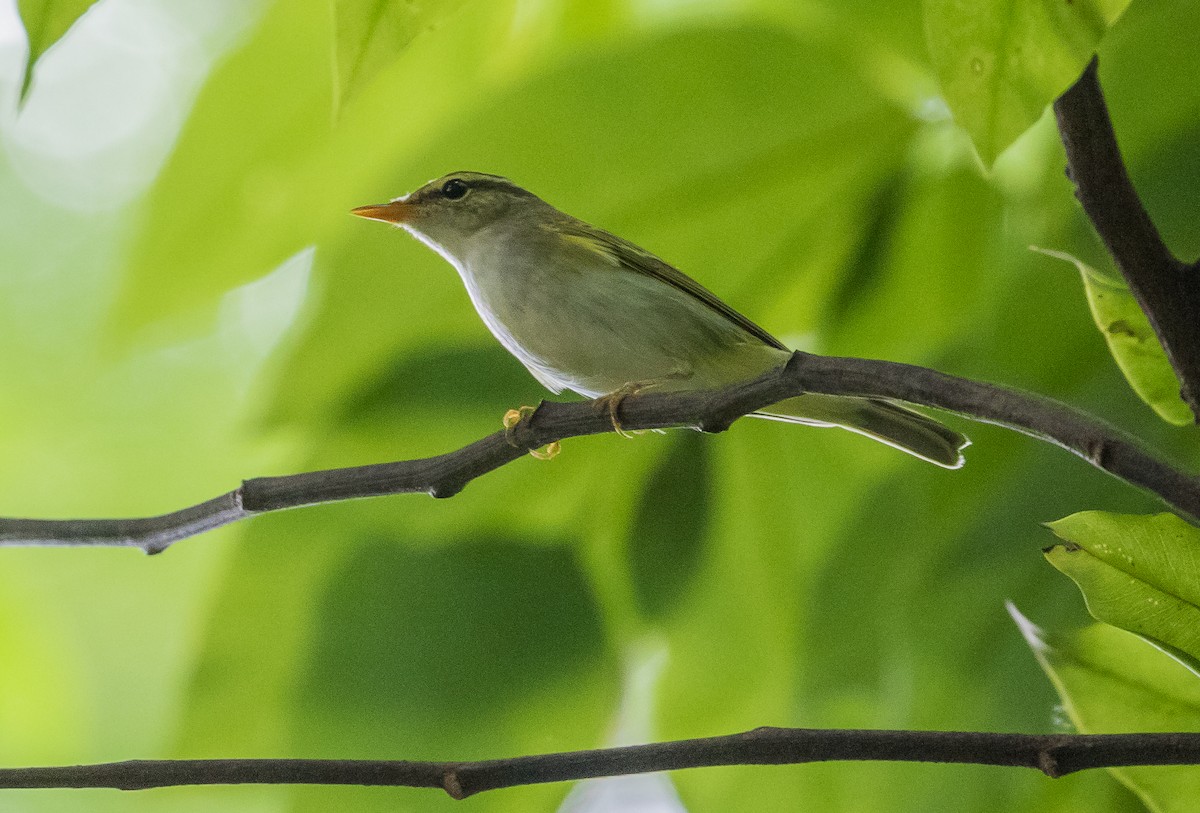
{"x": 184, "y": 302}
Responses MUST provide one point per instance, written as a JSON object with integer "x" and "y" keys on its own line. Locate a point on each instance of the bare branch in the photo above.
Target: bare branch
{"x": 1099, "y": 443}
{"x": 1053, "y": 754}
{"x": 1167, "y": 289}
{"x": 151, "y": 534}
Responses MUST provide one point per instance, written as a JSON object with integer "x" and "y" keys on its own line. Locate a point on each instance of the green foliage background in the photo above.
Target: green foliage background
{"x": 185, "y": 302}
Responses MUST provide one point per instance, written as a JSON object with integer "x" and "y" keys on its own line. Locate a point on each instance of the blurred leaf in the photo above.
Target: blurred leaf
{"x": 235, "y": 200}
{"x": 939, "y": 217}
{"x": 869, "y": 262}
{"x": 1000, "y": 62}
{"x": 37, "y": 649}
{"x": 371, "y": 33}
{"x": 439, "y": 380}
{"x": 1145, "y": 66}
{"x": 366, "y": 642}
{"x": 45, "y": 22}
{"x": 670, "y": 528}
{"x": 245, "y": 190}
{"x": 1112, "y": 682}
{"x": 1139, "y": 573}
{"x": 1131, "y": 341}
{"x": 416, "y": 640}
{"x": 894, "y": 25}
{"x": 1168, "y": 182}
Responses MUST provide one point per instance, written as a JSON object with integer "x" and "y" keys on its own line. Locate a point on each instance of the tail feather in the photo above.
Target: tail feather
{"x": 886, "y": 422}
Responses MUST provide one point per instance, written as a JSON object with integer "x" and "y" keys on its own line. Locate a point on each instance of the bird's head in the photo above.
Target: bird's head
{"x": 449, "y": 211}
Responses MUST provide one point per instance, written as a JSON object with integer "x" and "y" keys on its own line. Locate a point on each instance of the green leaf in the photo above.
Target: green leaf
{"x": 1131, "y": 341}
{"x": 45, "y": 23}
{"x": 244, "y": 190}
{"x": 237, "y": 196}
{"x": 1139, "y": 573}
{"x": 670, "y": 528}
{"x": 1000, "y": 62}
{"x": 372, "y": 33}
{"x": 1112, "y": 682}
{"x": 889, "y": 273}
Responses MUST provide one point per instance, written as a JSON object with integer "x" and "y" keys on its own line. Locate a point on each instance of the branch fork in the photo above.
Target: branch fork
{"x": 1166, "y": 288}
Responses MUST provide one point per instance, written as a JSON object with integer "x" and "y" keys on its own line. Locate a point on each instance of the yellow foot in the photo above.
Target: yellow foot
{"x": 514, "y": 417}
{"x": 548, "y": 453}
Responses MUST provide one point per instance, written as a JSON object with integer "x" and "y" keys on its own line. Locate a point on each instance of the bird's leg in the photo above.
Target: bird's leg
{"x": 611, "y": 403}
{"x": 514, "y": 417}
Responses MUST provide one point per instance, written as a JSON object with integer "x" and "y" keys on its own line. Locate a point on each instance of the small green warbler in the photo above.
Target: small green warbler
{"x": 584, "y": 310}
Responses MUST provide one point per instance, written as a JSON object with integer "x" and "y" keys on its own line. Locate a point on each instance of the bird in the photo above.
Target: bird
{"x": 585, "y": 310}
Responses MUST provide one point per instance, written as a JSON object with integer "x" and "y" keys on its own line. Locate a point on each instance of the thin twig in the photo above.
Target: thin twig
{"x": 1166, "y": 288}
{"x": 1053, "y": 754}
{"x": 1101, "y": 444}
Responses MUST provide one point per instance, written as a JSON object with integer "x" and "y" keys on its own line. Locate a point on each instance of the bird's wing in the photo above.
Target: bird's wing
{"x": 626, "y": 255}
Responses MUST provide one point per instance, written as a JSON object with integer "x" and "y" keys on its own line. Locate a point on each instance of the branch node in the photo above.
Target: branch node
{"x": 795, "y": 363}
{"x": 522, "y": 434}
{"x": 715, "y": 423}
{"x": 445, "y": 490}
{"x": 1047, "y": 763}
{"x": 766, "y": 729}
{"x": 1097, "y": 452}
{"x": 452, "y": 785}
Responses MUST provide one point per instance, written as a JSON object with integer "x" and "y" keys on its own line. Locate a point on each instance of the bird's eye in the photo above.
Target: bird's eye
{"x": 454, "y": 189}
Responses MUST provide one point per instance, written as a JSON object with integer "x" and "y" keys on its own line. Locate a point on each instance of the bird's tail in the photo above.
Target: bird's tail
{"x": 894, "y": 425}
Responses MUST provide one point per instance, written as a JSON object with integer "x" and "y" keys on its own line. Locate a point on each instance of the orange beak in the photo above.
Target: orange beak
{"x": 398, "y": 211}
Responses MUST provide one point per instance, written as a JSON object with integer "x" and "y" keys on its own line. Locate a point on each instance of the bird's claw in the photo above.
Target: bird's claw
{"x": 512, "y": 419}
{"x": 550, "y": 451}
{"x": 611, "y": 404}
